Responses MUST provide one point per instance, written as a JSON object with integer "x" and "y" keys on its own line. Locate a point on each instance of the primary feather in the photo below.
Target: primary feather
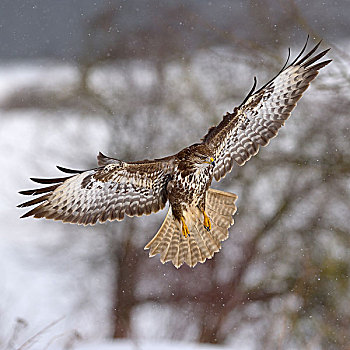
{"x": 240, "y": 134}
{"x": 109, "y": 192}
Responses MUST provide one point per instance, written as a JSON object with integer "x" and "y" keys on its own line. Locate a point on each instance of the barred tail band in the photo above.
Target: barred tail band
{"x": 201, "y": 244}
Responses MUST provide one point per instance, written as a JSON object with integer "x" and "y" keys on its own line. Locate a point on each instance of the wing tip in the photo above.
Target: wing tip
{"x": 35, "y": 179}
{"x": 310, "y": 65}
{"x": 49, "y": 180}
{"x": 68, "y": 170}
{"x": 33, "y": 212}
{"x": 250, "y": 92}
{"x": 320, "y": 65}
{"x": 25, "y": 192}
{"x": 26, "y": 215}
{"x": 103, "y": 160}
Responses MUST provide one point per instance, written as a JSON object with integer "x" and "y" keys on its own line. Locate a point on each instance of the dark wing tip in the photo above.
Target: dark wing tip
{"x": 281, "y": 70}
{"x": 69, "y": 171}
{"x": 25, "y": 192}
{"x": 304, "y": 61}
{"x": 302, "y": 51}
{"x": 49, "y": 181}
{"x": 34, "y": 212}
{"x": 46, "y": 191}
{"x": 320, "y": 65}
{"x": 39, "y": 190}
{"x": 250, "y": 92}
{"x": 309, "y": 54}
{"x": 34, "y": 201}
{"x": 25, "y": 215}
{"x": 315, "y": 58}
{"x": 101, "y": 156}
{"x": 103, "y": 160}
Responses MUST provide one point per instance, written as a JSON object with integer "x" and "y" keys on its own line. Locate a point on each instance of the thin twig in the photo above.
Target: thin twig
{"x": 38, "y": 334}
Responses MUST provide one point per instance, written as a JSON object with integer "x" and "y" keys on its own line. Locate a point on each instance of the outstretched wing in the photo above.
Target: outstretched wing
{"x": 257, "y": 120}
{"x": 108, "y": 192}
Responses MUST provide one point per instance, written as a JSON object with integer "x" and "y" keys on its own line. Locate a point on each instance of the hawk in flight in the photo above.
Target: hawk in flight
{"x": 199, "y": 217}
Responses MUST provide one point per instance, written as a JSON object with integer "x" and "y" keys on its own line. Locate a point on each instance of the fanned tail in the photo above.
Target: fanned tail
{"x": 172, "y": 246}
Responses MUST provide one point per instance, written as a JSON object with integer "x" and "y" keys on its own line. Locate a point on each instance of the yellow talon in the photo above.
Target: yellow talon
{"x": 207, "y": 223}
{"x": 185, "y": 230}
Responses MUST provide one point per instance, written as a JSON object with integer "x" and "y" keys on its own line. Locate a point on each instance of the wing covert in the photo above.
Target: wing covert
{"x": 257, "y": 120}
{"x": 108, "y": 192}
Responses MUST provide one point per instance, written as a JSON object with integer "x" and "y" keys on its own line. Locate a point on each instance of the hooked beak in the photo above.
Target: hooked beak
{"x": 211, "y": 161}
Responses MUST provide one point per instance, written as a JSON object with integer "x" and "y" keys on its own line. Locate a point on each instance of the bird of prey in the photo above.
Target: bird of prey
{"x": 199, "y": 217}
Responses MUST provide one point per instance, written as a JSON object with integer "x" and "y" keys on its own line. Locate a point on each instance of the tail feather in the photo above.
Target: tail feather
{"x": 221, "y": 233}
{"x": 183, "y": 251}
{"x": 221, "y": 208}
{"x": 208, "y": 239}
{"x": 193, "y": 255}
{"x": 165, "y": 242}
{"x": 203, "y": 248}
{"x": 157, "y": 239}
{"x": 172, "y": 246}
{"x": 222, "y": 221}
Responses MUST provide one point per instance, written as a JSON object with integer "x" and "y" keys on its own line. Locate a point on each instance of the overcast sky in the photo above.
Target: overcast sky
{"x": 59, "y": 29}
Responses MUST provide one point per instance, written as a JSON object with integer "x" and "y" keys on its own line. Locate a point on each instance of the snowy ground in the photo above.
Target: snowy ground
{"x": 145, "y": 345}
{"x": 37, "y": 285}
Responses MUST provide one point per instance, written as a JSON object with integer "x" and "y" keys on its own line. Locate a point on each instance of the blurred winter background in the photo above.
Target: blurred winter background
{"x": 143, "y": 79}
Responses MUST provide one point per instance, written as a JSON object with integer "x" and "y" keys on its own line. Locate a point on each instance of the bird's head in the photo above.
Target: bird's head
{"x": 201, "y": 155}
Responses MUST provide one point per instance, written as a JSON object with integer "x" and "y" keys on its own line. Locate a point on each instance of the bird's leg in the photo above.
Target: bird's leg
{"x": 185, "y": 230}
{"x": 207, "y": 223}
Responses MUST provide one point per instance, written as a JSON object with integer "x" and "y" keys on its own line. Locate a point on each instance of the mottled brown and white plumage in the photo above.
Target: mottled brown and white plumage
{"x": 199, "y": 217}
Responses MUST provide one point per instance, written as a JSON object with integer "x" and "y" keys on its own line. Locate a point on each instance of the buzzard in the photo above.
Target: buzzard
{"x": 199, "y": 217}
